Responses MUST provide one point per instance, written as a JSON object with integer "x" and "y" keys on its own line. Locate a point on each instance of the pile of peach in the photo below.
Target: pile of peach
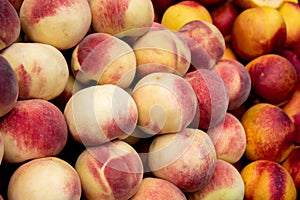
{"x": 149, "y": 99}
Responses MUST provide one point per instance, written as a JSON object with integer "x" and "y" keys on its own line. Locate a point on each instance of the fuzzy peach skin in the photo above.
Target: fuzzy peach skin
{"x": 153, "y": 188}
{"x": 9, "y": 89}
{"x": 44, "y": 178}
{"x": 229, "y": 139}
{"x": 273, "y": 78}
{"x": 161, "y": 51}
{"x": 99, "y": 114}
{"x": 104, "y": 59}
{"x": 265, "y": 179}
{"x": 270, "y": 133}
{"x": 33, "y": 128}
{"x": 236, "y": 79}
{"x": 183, "y": 12}
{"x": 186, "y": 159}
{"x": 205, "y": 41}
{"x": 10, "y": 25}
{"x": 226, "y": 184}
{"x": 290, "y": 12}
{"x": 41, "y": 69}
{"x": 258, "y": 31}
{"x": 166, "y": 103}
{"x": 292, "y": 164}
{"x": 60, "y": 23}
{"x": 212, "y": 98}
{"x": 112, "y": 171}
{"x": 130, "y": 18}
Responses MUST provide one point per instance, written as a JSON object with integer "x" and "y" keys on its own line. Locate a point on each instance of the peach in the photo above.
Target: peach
{"x": 265, "y": 179}
{"x": 294, "y": 58}
{"x": 212, "y": 98}
{"x": 33, "y": 128}
{"x": 249, "y": 35}
{"x": 206, "y": 42}
{"x": 120, "y": 17}
{"x": 292, "y": 164}
{"x": 292, "y": 109}
{"x": 9, "y": 89}
{"x": 229, "y": 52}
{"x": 273, "y": 78}
{"x": 236, "y": 79}
{"x": 223, "y": 17}
{"x": 16, "y": 4}
{"x": 290, "y": 11}
{"x": 226, "y": 184}
{"x": 153, "y": 188}
{"x": 160, "y": 6}
{"x": 171, "y": 109}
{"x": 186, "y": 159}
{"x": 109, "y": 112}
{"x": 103, "y": 59}
{"x": 10, "y": 25}
{"x": 245, "y": 4}
{"x": 211, "y": 3}
{"x": 41, "y": 69}
{"x": 229, "y": 139}
{"x": 270, "y": 133}
{"x": 45, "y": 178}
{"x": 161, "y": 51}
{"x": 183, "y": 12}
{"x": 60, "y": 23}
{"x": 110, "y": 171}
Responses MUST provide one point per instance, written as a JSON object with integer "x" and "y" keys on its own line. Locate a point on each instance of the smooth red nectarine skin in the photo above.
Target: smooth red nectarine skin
{"x": 36, "y": 127}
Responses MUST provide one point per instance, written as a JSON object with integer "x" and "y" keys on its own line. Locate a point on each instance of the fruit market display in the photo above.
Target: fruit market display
{"x": 149, "y": 99}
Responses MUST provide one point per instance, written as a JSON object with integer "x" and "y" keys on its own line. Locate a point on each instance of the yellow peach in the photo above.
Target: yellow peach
{"x": 183, "y": 12}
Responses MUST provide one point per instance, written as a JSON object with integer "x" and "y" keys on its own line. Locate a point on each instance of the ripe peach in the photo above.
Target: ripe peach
{"x": 223, "y": 17}
{"x": 236, "y": 79}
{"x": 9, "y": 89}
{"x": 104, "y": 59}
{"x": 109, "y": 113}
{"x": 212, "y": 98}
{"x": 265, "y": 179}
{"x": 33, "y": 128}
{"x": 110, "y": 171}
{"x": 292, "y": 164}
{"x": 153, "y": 188}
{"x": 245, "y": 4}
{"x": 120, "y": 17}
{"x": 10, "y": 25}
{"x": 211, "y": 3}
{"x": 249, "y": 35}
{"x": 60, "y": 23}
{"x": 292, "y": 56}
{"x": 161, "y": 51}
{"x": 273, "y": 78}
{"x": 183, "y": 12}
{"x": 226, "y": 184}
{"x": 269, "y": 131}
{"x": 186, "y": 159}
{"x": 44, "y": 178}
{"x": 229, "y": 139}
{"x": 206, "y": 42}
{"x": 41, "y": 69}
{"x": 292, "y": 109}
{"x": 171, "y": 109}
{"x": 290, "y": 12}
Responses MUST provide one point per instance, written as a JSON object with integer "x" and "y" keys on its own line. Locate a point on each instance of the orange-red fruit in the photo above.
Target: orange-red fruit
{"x": 269, "y": 131}
{"x": 267, "y": 180}
{"x": 258, "y": 31}
{"x": 273, "y": 78}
